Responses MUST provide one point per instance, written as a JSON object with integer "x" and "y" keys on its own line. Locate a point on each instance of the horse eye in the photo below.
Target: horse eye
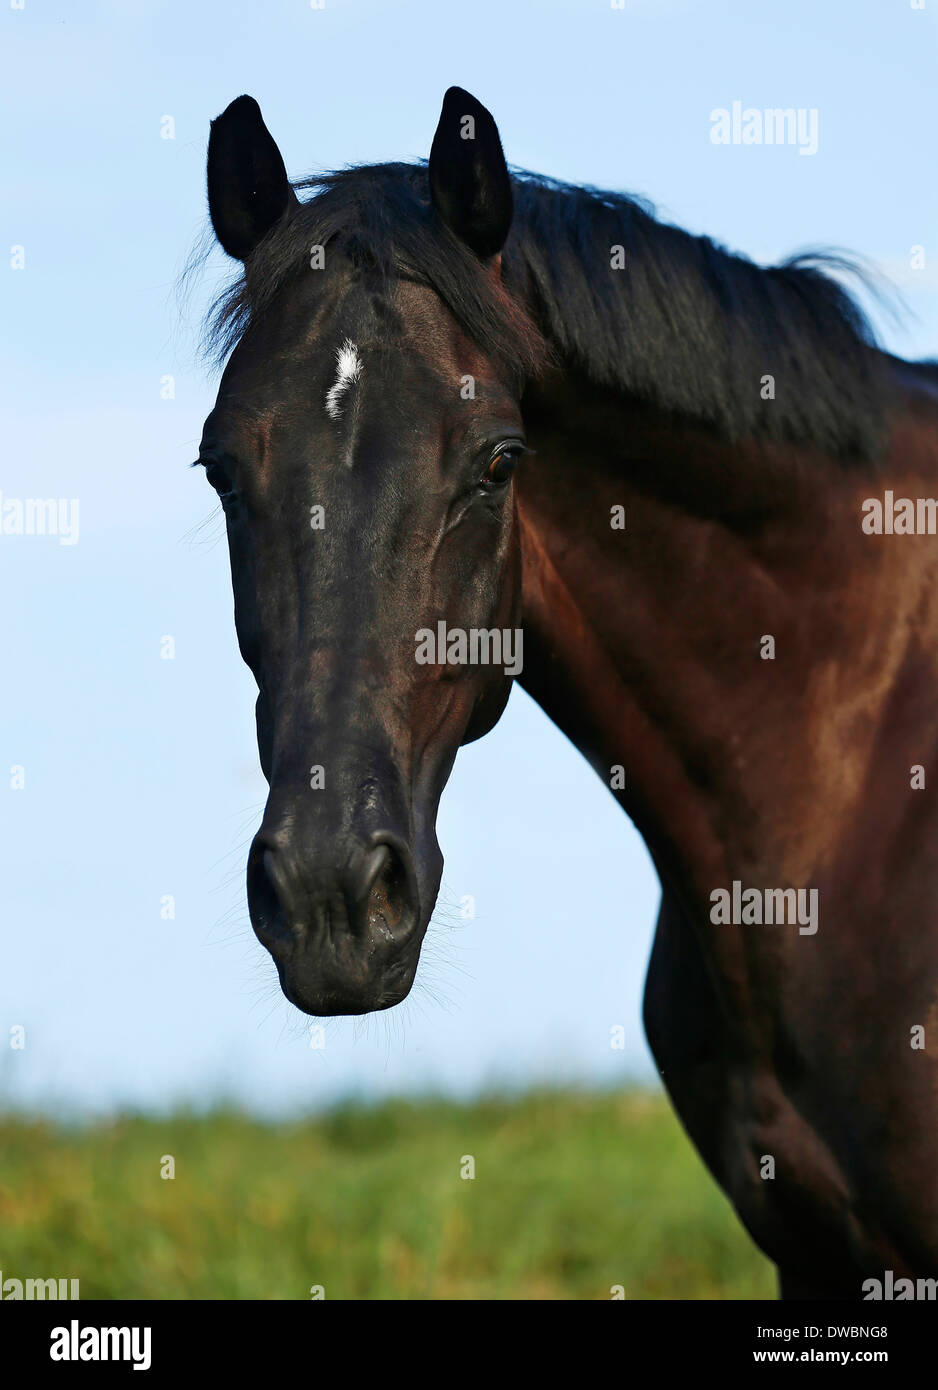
{"x": 502, "y": 465}
{"x": 218, "y": 478}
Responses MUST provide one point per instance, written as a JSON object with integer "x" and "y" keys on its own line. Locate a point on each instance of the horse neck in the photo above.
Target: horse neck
{"x": 648, "y": 644}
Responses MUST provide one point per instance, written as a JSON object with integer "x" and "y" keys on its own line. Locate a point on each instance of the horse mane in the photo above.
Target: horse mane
{"x": 593, "y": 279}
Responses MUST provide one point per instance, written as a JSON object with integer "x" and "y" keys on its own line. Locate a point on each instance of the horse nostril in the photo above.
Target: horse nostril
{"x": 311, "y": 906}
{"x": 264, "y": 901}
{"x": 389, "y": 897}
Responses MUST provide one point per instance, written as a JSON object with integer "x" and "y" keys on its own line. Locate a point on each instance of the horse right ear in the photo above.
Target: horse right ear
{"x": 248, "y": 188}
{"x": 469, "y": 182}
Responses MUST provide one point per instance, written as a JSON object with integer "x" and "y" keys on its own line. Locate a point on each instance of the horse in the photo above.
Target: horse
{"x": 479, "y": 426}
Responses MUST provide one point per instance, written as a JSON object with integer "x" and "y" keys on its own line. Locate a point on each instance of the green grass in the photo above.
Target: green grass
{"x": 572, "y": 1194}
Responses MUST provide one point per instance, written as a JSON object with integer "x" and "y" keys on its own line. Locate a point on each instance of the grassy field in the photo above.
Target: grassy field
{"x": 572, "y": 1194}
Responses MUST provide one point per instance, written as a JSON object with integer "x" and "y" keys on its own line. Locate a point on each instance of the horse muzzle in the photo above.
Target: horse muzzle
{"x": 344, "y": 931}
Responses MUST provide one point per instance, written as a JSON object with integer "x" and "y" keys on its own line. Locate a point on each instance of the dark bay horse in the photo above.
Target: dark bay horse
{"x": 466, "y": 405}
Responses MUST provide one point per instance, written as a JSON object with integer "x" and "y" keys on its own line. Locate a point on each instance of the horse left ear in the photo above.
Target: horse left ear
{"x": 248, "y": 188}
{"x": 469, "y": 181}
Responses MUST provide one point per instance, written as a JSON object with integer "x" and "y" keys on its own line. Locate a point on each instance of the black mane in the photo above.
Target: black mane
{"x": 685, "y": 326}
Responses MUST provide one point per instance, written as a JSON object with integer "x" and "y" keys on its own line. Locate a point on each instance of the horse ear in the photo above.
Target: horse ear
{"x": 469, "y": 181}
{"x": 248, "y": 188}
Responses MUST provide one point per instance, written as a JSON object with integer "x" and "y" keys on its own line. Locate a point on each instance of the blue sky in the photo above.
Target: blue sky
{"x": 141, "y": 775}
